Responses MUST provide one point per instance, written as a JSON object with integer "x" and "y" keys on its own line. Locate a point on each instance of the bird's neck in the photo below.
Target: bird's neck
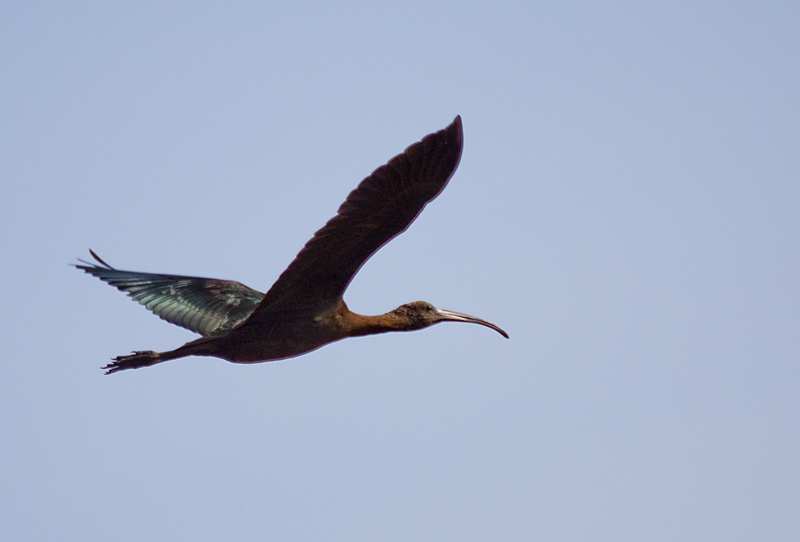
{"x": 356, "y": 325}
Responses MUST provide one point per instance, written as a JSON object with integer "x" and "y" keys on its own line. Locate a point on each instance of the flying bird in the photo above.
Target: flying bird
{"x": 304, "y": 310}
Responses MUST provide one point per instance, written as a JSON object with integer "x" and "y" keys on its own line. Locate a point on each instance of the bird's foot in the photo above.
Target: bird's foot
{"x": 142, "y": 358}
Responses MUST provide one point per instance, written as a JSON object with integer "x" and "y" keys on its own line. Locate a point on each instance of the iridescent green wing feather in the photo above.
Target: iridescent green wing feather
{"x": 202, "y": 305}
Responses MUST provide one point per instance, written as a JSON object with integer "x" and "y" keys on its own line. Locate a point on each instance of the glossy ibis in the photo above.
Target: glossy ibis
{"x": 304, "y": 309}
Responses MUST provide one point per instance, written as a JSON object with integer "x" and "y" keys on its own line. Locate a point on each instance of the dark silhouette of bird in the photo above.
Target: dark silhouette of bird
{"x": 304, "y": 309}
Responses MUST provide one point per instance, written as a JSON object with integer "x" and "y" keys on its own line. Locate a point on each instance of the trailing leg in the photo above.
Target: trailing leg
{"x": 142, "y": 358}
{"x": 146, "y": 358}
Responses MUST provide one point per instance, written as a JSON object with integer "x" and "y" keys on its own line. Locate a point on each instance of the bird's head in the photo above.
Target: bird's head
{"x": 421, "y": 314}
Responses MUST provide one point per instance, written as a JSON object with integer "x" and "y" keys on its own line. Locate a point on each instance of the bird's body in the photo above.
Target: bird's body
{"x": 304, "y": 309}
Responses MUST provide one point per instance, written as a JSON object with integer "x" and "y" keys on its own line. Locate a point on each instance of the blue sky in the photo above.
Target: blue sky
{"x": 626, "y": 208}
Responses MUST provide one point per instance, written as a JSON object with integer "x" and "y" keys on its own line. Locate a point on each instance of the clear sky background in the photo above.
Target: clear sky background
{"x": 626, "y": 208}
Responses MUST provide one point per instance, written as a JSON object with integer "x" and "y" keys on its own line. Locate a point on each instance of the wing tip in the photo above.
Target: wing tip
{"x": 450, "y": 138}
{"x": 88, "y": 266}
{"x": 457, "y": 123}
{"x": 455, "y": 131}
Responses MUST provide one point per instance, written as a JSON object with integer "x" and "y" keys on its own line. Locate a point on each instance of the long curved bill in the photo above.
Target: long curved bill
{"x": 452, "y": 316}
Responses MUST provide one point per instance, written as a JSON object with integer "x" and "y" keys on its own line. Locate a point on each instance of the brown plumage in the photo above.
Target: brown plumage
{"x": 304, "y": 309}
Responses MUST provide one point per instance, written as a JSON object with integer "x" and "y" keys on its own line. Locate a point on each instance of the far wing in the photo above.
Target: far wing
{"x": 380, "y": 208}
{"x": 197, "y": 304}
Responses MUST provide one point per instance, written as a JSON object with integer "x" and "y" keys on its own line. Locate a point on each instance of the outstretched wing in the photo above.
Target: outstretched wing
{"x": 201, "y": 305}
{"x": 380, "y": 208}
